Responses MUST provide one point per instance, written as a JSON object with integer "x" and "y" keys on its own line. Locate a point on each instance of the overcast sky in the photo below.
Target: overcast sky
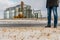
{"x": 35, "y": 4}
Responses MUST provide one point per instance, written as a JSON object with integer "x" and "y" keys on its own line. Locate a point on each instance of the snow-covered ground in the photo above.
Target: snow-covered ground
{"x": 21, "y": 21}
{"x": 24, "y": 21}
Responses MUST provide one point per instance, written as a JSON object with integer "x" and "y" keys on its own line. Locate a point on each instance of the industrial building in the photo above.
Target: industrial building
{"x": 37, "y": 13}
{"x": 18, "y": 10}
{"x": 21, "y": 11}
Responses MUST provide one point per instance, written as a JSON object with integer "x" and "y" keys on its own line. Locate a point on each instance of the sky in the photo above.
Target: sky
{"x": 35, "y": 4}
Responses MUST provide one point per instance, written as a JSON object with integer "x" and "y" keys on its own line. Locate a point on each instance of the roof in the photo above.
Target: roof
{"x": 11, "y": 8}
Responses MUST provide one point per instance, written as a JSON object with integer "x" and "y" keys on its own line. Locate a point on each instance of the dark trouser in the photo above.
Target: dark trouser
{"x": 49, "y": 10}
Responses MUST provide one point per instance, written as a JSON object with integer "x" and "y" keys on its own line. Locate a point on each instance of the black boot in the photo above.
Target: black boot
{"x": 55, "y": 26}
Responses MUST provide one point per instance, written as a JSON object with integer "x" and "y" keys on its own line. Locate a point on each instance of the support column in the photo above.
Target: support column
{"x": 16, "y": 12}
{"x": 5, "y": 15}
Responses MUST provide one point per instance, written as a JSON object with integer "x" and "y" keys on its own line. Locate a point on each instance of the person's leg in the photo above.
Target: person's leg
{"x": 49, "y": 17}
{"x": 55, "y": 16}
